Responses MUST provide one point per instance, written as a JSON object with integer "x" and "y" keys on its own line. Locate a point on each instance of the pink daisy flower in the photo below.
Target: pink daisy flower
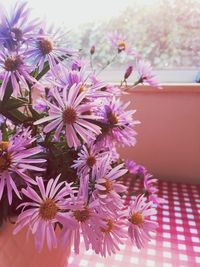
{"x": 63, "y": 77}
{"x": 112, "y": 234}
{"x": 151, "y": 189}
{"x": 85, "y": 220}
{"x": 149, "y": 184}
{"x": 14, "y": 69}
{"x": 118, "y": 123}
{"x": 16, "y": 27}
{"x": 89, "y": 159}
{"x": 69, "y": 112}
{"x": 44, "y": 211}
{"x": 135, "y": 168}
{"x": 106, "y": 184}
{"x": 16, "y": 161}
{"x": 119, "y": 41}
{"x": 140, "y": 224}
{"x": 45, "y": 48}
{"x": 146, "y": 74}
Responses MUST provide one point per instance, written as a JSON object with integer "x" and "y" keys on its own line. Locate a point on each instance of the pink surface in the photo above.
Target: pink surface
{"x": 176, "y": 243}
{"x": 168, "y": 141}
{"x": 17, "y": 251}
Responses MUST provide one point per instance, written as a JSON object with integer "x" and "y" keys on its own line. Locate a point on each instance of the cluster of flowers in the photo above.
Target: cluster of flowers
{"x": 59, "y": 128}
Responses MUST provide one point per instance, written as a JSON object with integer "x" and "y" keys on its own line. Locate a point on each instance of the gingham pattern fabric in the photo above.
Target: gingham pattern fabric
{"x": 176, "y": 242}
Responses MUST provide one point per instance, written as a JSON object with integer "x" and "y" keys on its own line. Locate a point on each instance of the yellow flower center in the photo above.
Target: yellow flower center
{"x": 82, "y": 89}
{"x": 12, "y": 63}
{"x": 109, "y": 227}
{"x": 5, "y": 158}
{"x": 108, "y": 187}
{"x": 48, "y": 209}
{"x": 112, "y": 118}
{"x": 121, "y": 46}
{"x": 69, "y": 115}
{"x": 91, "y": 160}
{"x": 82, "y": 215}
{"x": 136, "y": 218}
{"x": 45, "y": 46}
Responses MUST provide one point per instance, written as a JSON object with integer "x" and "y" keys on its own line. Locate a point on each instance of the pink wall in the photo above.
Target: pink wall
{"x": 168, "y": 141}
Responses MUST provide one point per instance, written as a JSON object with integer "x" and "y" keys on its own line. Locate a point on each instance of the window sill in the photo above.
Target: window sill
{"x": 170, "y": 76}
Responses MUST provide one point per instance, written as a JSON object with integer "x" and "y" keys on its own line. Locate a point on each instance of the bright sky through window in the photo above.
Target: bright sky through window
{"x": 73, "y": 13}
{"x": 166, "y": 32}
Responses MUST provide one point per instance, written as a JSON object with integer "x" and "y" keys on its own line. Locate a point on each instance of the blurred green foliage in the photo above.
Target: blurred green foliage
{"x": 165, "y": 33}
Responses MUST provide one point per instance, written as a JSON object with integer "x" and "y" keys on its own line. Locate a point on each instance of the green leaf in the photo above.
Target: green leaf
{"x": 44, "y": 71}
{"x": 35, "y": 114}
{"x": 8, "y": 91}
{"x": 15, "y": 116}
{"x": 12, "y": 103}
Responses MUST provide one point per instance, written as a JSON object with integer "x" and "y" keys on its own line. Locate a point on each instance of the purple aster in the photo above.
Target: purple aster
{"x": 16, "y": 158}
{"x": 46, "y": 47}
{"x": 63, "y": 77}
{"x": 135, "y": 168}
{"x": 45, "y": 209}
{"x": 72, "y": 113}
{"x": 149, "y": 184}
{"x": 40, "y": 105}
{"x": 112, "y": 235}
{"x": 140, "y": 224}
{"x": 106, "y": 184}
{"x": 118, "y": 123}
{"x": 14, "y": 68}
{"x": 89, "y": 159}
{"x": 79, "y": 64}
{"x": 16, "y": 28}
{"x": 119, "y": 41}
{"x": 146, "y": 75}
{"x": 2, "y": 119}
{"x": 85, "y": 220}
{"x": 151, "y": 189}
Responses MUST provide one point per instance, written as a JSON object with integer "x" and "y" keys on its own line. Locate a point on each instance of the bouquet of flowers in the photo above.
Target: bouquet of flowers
{"x": 59, "y": 129}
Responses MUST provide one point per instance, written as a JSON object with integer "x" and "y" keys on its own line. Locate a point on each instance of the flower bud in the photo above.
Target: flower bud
{"x": 128, "y": 72}
{"x": 92, "y": 50}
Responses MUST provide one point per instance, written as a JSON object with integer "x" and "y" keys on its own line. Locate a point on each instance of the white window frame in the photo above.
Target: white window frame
{"x": 170, "y": 76}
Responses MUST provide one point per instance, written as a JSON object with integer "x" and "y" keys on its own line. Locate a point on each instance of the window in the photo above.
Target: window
{"x": 165, "y": 32}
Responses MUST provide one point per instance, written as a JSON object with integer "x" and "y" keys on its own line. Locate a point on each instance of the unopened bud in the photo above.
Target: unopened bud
{"x": 92, "y": 50}
{"x": 128, "y": 72}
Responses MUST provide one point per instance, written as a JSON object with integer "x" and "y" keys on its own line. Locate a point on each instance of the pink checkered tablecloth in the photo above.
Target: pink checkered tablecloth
{"x": 176, "y": 243}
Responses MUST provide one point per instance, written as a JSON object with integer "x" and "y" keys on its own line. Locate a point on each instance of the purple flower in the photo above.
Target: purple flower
{"x": 85, "y": 220}
{"x": 135, "y": 168}
{"x": 79, "y": 64}
{"x": 14, "y": 68}
{"x": 2, "y": 119}
{"x": 68, "y": 112}
{"x": 40, "y": 105}
{"x": 112, "y": 235}
{"x": 16, "y": 28}
{"x": 118, "y": 123}
{"x": 151, "y": 189}
{"x": 106, "y": 184}
{"x": 46, "y": 48}
{"x": 119, "y": 41}
{"x": 67, "y": 78}
{"x": 149, "y": 184}
{"x": 15, "y": 160}
{"x": 44, "y": 210}
{"x": 140, "y": 224}
{"x": 146, "y": 75}
{"x": 89, "y": 159}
